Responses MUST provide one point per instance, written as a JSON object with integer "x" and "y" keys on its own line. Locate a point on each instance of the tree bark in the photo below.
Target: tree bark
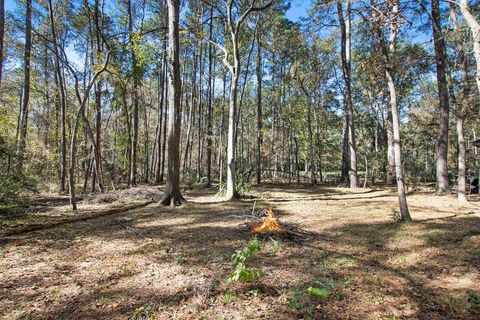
{"x": 258, "y": 153}
{"x": 172, "y": 195}
{"x": 136, "y": 80}
{"x": 62, "y": 98}
{"x": 210, "y": 101}
{"x": 443, "y": 187}
{"x": 475, "y": 29}
{"x": 345, "y": 28}
{"x": 23, "y": 117}
{"x": 460, "y": 110}
{"x": 388, "y": 54}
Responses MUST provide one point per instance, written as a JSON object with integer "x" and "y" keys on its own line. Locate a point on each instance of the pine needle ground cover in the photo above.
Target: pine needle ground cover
{"x": 173, "y": 263}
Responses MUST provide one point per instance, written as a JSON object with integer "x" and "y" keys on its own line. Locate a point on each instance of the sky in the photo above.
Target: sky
{"x": 298, "y": 9}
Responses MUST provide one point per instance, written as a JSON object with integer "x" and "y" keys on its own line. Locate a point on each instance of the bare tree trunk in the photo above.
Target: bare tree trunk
{"x": 388, "y": 57}
{"x": 62, "y": 98}
{"x": 162, "y": 83}
{"x": 23, "y": 117}
{"x": 475, "y": 29}
{"x": 390, "y": 172}
{"x": 258, "y": 155}
{"x": 172, "y": 195}
{"x": 135, "y": 75}
{"x": 442, "y": 141}
{"x": 345, "y": 28}
{"x": 460, "y": 110}
{"x": 210, "y": 107}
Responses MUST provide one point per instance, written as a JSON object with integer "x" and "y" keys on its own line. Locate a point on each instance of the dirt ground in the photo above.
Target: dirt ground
{"x": 171, "y": 263}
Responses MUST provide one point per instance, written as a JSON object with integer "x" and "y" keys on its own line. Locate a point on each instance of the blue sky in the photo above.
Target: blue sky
{"x": 298, "y": 9}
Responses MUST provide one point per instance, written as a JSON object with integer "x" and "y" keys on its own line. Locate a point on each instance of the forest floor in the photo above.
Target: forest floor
{"x": 158, "y": 262}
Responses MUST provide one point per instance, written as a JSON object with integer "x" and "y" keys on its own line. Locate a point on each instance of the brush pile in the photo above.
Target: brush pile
{"x": 264, "y": 223}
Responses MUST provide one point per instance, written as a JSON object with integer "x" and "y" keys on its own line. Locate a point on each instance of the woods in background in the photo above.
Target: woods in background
{"x": 104, "y": 95}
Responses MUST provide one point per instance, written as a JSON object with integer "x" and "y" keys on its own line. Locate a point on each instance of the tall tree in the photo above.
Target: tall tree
{"x": 172, "y": 195}
{"x": 23, "y": 117}
{"x": 258, "y": 72}
{"x": 346, "y": 49}
{"x": 62, "y": 98}
{"x": 132, "y": 181}
{"x": 443, "y": 103}
{"x": 474, "y": 26}
{"x": 233, "y": 29}
{"x": 460, "y": 105}
{"x": 389, "y": 53}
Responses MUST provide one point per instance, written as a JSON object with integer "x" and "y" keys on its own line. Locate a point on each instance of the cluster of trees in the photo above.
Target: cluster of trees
{"x": 98, "y": 94}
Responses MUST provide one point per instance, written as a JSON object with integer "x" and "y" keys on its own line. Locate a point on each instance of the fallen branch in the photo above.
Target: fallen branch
{"x": 35, "y": 227}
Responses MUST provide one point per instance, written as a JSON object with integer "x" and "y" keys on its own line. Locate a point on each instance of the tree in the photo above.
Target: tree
{"x": 475, "y": 29}
{"x": 460, "y": 105}
{"x": 388, "y": 52}
{"x": 172, "y": 195}
{"x": 345, "y": 29}
{"x": 234, "y": 27}
{"x": 443, "y": 103}
{"x": 62, "y": 98}
{"x": 23, "y": 116}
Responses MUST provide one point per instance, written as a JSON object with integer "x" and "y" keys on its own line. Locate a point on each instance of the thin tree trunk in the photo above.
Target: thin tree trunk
{"x": 172, "y": 195}
{"x": 345, "y": 28}
{"x": 23, "y": 117}
{"x": 136, "y": 76}
{"x": 62, "y": 96}
{"x": 442, "y": 141}
{"x": 258, "y": 155}
{"x": 210, "y": 107}
{"x": 475, "y": 29}
{"x": 462, "y": 105}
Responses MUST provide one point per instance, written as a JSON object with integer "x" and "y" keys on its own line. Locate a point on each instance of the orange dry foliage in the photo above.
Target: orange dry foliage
{"x": 269, "y": 225}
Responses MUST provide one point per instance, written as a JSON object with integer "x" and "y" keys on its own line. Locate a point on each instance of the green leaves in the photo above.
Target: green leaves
{"x": 241, "y": 272}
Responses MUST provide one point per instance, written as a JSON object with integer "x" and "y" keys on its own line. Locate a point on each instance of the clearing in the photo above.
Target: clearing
{"x": 171, "y": 263}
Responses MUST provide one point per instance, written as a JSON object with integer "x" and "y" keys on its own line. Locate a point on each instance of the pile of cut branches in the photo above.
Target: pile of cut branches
{"x": 264, "y": 223}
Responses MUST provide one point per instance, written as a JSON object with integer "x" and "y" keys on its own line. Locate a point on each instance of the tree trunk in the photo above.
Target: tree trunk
{"x": 23, "y": 117}
{"x": 62, "y": 98}
{"x": 210, "y": 107}
{"x": 258, "y": 154}
{"x": 172, "y": 195}
{"x": 460, "y": 110}
{"x": 388, "y": 57}
{"x": 345, "y": 28}
{"x": 475, "y": 29}
{"x": 442, "y": 141}
{"x": 390, "y": 172}
{"x": 135, "y": 75}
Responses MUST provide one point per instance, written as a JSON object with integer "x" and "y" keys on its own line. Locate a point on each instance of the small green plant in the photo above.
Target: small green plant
{"x": 300, "y": 300}
{"x": 396, "y": 216}
{"x": 473, "y": 301}
{"x": 252, "y": 293}
{"x": 126, "y": 270}
{"x": 228, "y": 297}
{"x": 239, "y": 258}
{"x": 144, "y": 312}
{"x": 277, "y": 244}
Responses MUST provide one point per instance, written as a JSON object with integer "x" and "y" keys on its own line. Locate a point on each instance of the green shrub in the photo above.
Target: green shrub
{"x": 11, "y": 186}
{"x": 239, "y": 258}
{"x": 241, "y": 187}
